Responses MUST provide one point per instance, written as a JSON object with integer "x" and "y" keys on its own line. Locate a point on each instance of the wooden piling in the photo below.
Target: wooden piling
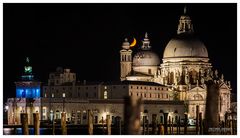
{"x": 172, "y": 125}
{"x": 53, "y": 126}
{"x": 90, "y": 122}
{"x": 144, "y": 123}
{"x": 132, "y": 108}
{"x": 179, "y": 125}
{"x": 165, "y": 123}
{"x": 197, "y": 119}
{"x": 108, "y": 125}
{"x": 36, "y": 123}
{"x": 185, "y": 123}
{"x": 200, "y": 124}
{"x": 147, "y": 127}
{"x": 154, "y": 124}
{"x": 103, "y": 126}
{"x": 231, "y": 126}
{"x": 161, "y": 129}
{"x": 120, "y": 126}
{"x": 212, "y": 106}
{"x": 169, "y": 124}
{"x": 24, "y": 122}
{"x": 63, "y": 123}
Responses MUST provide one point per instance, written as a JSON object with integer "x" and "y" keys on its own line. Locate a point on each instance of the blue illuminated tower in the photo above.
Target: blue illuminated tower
{"x": 28, "y": 87}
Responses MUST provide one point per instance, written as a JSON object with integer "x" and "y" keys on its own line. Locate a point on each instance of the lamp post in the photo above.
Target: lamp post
{"x": 63, "y": 95}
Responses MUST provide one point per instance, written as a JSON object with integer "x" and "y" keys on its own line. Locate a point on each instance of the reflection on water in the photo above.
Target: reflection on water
{"x": 18, "y": 131}
{"x": 48, "y": 131}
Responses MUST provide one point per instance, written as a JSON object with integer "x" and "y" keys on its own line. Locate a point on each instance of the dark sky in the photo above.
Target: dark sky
{"x": 87, "y": 37}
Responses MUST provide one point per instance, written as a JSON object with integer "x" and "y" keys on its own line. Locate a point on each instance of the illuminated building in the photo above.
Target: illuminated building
{"x": 28, "y": 94}
{"x": 174, "y": 86}
{"x": 103, "y": 98}
{"x": 185, "y": 69}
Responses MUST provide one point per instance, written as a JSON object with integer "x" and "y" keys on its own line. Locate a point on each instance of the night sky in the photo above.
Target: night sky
{"x": 87, "y": 37}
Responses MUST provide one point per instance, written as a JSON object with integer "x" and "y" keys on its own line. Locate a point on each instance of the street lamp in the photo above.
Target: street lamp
{"x": 6, "y": 108}
{"x": 63, "y": 95}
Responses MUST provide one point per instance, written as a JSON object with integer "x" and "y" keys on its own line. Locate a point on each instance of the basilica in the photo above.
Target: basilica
{"x": 174, "y": 85}
{"x": 184, "y": 69}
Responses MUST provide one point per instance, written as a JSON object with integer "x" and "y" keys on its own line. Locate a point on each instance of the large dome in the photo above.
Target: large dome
{"x": 146, "y": 58}
{"x": 185, "y": 45}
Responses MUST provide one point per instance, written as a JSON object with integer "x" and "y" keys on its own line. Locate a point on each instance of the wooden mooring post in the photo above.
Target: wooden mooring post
{"x": 103, "y": 126}
{"x": 165, "y": 123}
{"x": 90, "y": 122}
{"x": 53, "y": 125}
{"x": 108, "y": 125}
{"x": 36, "y": 122}
{"x": 169, "y": 124}
{"x": 144, "y": 124}
{"x": 132, "y": 108}
{"x": 24, "y": 122}
{"x": 197, "y": 119}
{"x": 161, "y": 129}
{"x": 120, "y": 126}
{"x": 147, "y": 127}
{"x": 63, "y": 123}
{"x": 212, "y": 107}
{"x": 185, "y": 123}
{"x": 200, "y": 124}
{"x": 154, "y": 124}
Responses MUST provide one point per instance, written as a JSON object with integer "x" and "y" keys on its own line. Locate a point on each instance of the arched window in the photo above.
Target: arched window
{"x": 197, "y": 97}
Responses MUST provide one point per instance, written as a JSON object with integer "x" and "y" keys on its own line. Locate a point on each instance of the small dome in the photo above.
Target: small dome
{"x": 146, "y": 58}
{"x": 185, "y": 45}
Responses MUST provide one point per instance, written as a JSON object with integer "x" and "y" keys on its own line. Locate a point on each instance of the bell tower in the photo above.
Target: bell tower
{"x": 125, "y": 60}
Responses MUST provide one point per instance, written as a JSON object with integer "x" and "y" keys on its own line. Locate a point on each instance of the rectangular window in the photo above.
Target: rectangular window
{"x": 149, "y": 71}
{"x": 105, "y": 95}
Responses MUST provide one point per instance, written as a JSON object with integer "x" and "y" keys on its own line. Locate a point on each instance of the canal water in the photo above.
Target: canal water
{"x": 48, "y": 131}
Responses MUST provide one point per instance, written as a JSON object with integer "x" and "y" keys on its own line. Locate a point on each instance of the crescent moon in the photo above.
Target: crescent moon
{"x": 133, "y": 43}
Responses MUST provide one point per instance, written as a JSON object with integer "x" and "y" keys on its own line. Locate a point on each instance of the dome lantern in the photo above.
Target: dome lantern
{"x": 185, "y": 25}
{"x": 146, "y": 43}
